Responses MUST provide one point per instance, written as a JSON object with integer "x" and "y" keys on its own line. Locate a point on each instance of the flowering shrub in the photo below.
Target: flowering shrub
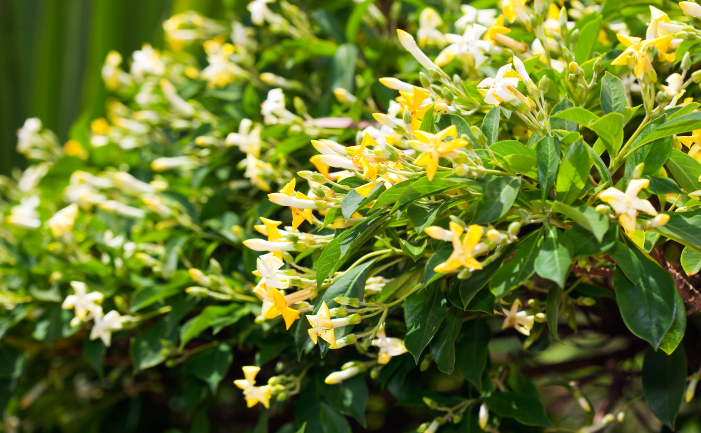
{"x": 496, "y": 222}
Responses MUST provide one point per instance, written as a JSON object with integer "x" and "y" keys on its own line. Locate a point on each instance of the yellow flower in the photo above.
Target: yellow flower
{"x": 513, "y": 9}
{"x": 254, "y": 394}
{"x": 298, "y": 215}
{"x": 519, "y": 320}
{"x": 463, "y": 250}
{"x": 279, "y": 307}
{"x": 412, "y": 101}
{"x": 636, "y": 50}
{"x": 322, "y": 326}
{"x": 273, "y": 233}
{"x": 74, "y": 148}
{"x": 627, "y": 204}
{"x": 433, "y": 147}
{"x": 693, "y": 142}
{"x": 496, "y": 29}
{"x": 99, "y": 126}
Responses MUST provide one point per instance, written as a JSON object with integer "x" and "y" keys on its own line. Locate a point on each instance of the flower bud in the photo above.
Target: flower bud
{"x": 691, "y": 388}
{"x": 638, "y": 171}
{"x": 514, "y": 228}
{"x": 602, "y": 209}
{"x": 574, "y": 36}
{"x": 200, "y": 278}
{"x": 598, "y": 65}
{"x": 620, "y": 416}
{"x": 659, "y": 221}
{"x": 282, "y": 396}
{"x": 423, "y": 427}
{"x": 696, "y": 76}
{"x": 424, "y": 80}
{"x": 347, "y": 340}
{"x": 567, "y": 54}
{"x": 457, "y": 418}
{"x": 430, "y": 403}
{"x": 540, "y": 317}
{"x": 339, "y": 311}
{"x": 479, "y": 136}
{"x": 448, "y": 94}
{"x": 435, "y": 74}
{"x": 375, "y": 372}
{"x": 344, "y": 300}
{"x": 426, "y": 362}
{"x": 464, "y": 274}
{"x": 197, "y": 291}
{"x": 483, "y": 417}
{"x": 354, "y": 319}
{"x": 686, "y": 61}
{"x": 300, "y": 106}
{"x": 406, "y": 117}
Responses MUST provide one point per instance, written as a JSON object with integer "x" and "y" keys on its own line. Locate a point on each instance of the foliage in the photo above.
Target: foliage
{"x": 182, "y": 255}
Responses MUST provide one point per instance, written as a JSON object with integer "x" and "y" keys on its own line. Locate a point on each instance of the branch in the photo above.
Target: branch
{"x": 690, "y": 295}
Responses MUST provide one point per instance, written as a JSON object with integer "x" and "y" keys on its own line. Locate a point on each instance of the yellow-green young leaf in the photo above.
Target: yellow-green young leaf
{"x": 427, "y": 123}
{"x": 664, "y": 380}
{"x": 647, "y": 306}
{"x": 440, "y": 256}
{"x": 441, "y": 182}
{"x": 525, "y": 409}
{"x": 520, "y": 267}
{"x": 548, "y": 160}
{"x": 427, "y": 321}
{"x": 685, "y": 170}
{"x": 555, "y": 257}
{"x": 691, "y": 261}
{"x": 578, "y": 115}
{"x": 613, "y": 94}
{"x": 354, "y": 201}
{"x": 522, "y": 164}
{"x": 390, "y": 196}
{"x": 490, "y": 125}
{"x": 573, "y": 174}
{"x": 443, "y": 345}
{"x": 472, "y": 352}
{"x": 499, "y": 195}
{"x": 675, "y": 334}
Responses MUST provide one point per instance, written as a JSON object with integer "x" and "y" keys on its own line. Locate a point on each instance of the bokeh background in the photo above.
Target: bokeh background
{"x": 51, "y": 52}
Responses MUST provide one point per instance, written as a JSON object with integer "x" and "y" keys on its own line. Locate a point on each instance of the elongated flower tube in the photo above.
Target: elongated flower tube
{"x": 690, "y": 8}
{"x": 295, "y": 200}
{"x": 396, "y": 84}
{"x": 389, "y": 347}
{"x": 62, "y": 221}
{"x": 409, "y": 44}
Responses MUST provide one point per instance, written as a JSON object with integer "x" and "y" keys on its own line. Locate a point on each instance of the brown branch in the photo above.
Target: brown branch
{"x": 601, "y": 272}
{"x": 690, "y": 295}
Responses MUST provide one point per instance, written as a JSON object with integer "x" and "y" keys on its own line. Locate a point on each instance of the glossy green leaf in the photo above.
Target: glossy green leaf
{"x": 664, "y": 380}
{"x": 473, "y": 352}
{"x": 440, "y": 256}
{"x": 676, "y": 333}
{"x": 427, "y": 123}
{"x": 585, "y": 245}
{"x": 685, "y": 170}
{"x": 354, "y": 201}
{"x": 610, "y": 130}
{"x": 427, "y": 322}
{"x": 211, "y": 365}
{"x": 93, "y": 352}
{"x": 519, "y": 268}
{"x": 691, "y": 261}
{"x": 578, "y": 115}
{"x": 683, "y": 227}
{"x": 524, "y": 409}
{"x": 563, "y": 124}
{"x": 350, "y": 398}
{"x": 548, "y": 160}
{"x": 647, "y": 306}
{"x": 613, "y": 94}
{"x": 198, "y": 324}
{"x": 145, "y": 349}
{"x": 552, "y": 309}
{"x": 490, "y": 125}
{"x": 499, "y": 195}
{"x": 443, "y": 345}
{"x": 585, "y": 216}
{"x": 555, "y": 257}
{"x": 678, "y": 125}
{"x": 589, "y": 28}
{"x": 573, "y": 174}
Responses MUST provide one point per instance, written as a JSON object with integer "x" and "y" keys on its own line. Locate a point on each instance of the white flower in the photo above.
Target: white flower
{"x": 486, "y": 17}
{"x": 267, "y": 266}
{"x": 147, "y": 61}
{"x": 674, "y": 88}
{"x": 468, "y": 47}
{"x": 259, "y": 11}
{"x": 396, "y": 84}
{"x": 336, "y": 161}
{"x": 83, "y": 194}
{"x": 628, "y": 204}
{"x": 175, "y": 100}
{"x": 84, "y": 303}
{"x": 104, "y": 326}
{"x": 273, "y": 108}
{"x": 329, "y": 147}
{"x": 429, "y": 20}
{"x": 247, "y": 139}
{"x": 63, "y": 220}
{"x": 409, "y": 44}
{"x": 285, "y": 200}
{"x": 28, "y": 134}
{"x": 25, "y": 214}
{"x": 389, "y": 347}
{"x": 122, "y": 209}
{"x": 221, "y": 70}
{"x": 131, "y": 185}
{"x": 501, "y": 87}
{"x": 339, "y": 376}
{"x": 32, "y": 176}
{"x": 157, "y": 205}
{"x": 519, "y": 320}
{"x": 263, "y": 245}
{"x": 165, "y": 163}
{"x": 374, "y": 285}
{"x": 243, "y": 36}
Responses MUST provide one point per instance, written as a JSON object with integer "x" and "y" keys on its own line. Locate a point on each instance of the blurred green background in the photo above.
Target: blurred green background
{"x": 51, "y": 52}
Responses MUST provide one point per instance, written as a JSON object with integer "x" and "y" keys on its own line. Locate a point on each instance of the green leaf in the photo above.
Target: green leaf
{"x": 589, "y": 28}
{"x": 578, "y": 115}
{"x": 483, "y": 301}
{"x": 414, "y": 249}
{"x": 353, "y": 201}
{"x": 436, "y": 259}
{"x": 391, "y": 195}
{"x": 562, "y": 124}
{"x": 473, "y": 352}
{"x": 460, "y": 124}
{"x": 585, "y": 245}
{"x": 499, "y": 195}
{"x": 662, "y": 185}
{"x": 335, "y": 254}
{"x": 146, "y": 348}
{"x": 647, "y": 306}
{"x": 675, "y": 334}
{"x": 524, "y": 409}
{"x": 441, "y": 182}
{"x": 332, "y": 421}
{"x": 654, "y": 155}
{"x": 685, "y": 169}
{"x": 610, "y": 130}
{"x": 471, "y": 287}
{"x": 585, "y": 216}
{"x": 600, "y": 166}
{"x": 93, "y": 352}
{"x": 552, "y": 309}
{"x": 573, "y": 174}
{"x": 516, "y": 156}
{"x": 555, "y": 257}
{"x": 443, "y": 346}
{"x": 691, "y": 261}
{"x": 211, "y": 365}
{"x": 490, "y": 125}
{"x": 519, "y": 268}
{"x": 548, "y": 160}
{"x": 626, "y": 260}
{"x": 343, "y": 67}
{"x": 678, "y": 125}
{"x": 12, "y": 362}
{"x": 350, "y": 398}
{"x": 427, "y": 121}
{"x": 198, "y": 324}
{"x": 427, "y": 321}
{"x": 354, "y": 21}
{"x": 613, "y": 94}
{"x": 664, "y": 380}
{"x": 683, "y": 227}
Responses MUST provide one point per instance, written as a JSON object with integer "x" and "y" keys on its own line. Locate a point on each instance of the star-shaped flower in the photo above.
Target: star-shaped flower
{"x": 300, "y": 205}
{"x": 417, "y": 104}
{"x": 464, "y": 250}
{"x": 467, "y": 46}
{"x": 84, "y": 303}
{"x": 434, "y": 146}
{"x": 502, "y": 88}
{"x": 518, "y": 320}
{"x": 693, "y": 142}
{"x": 267, "y": 267}
{"x": 254, "y": 394}
{"x": 637, "y": 51}
{"x": 103, "y": 326}
{"x": 389, "y": 347}
{"x": 322, "y": 326}
{"x": 275, "y": 304}
{"x": 627, "y": 204}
